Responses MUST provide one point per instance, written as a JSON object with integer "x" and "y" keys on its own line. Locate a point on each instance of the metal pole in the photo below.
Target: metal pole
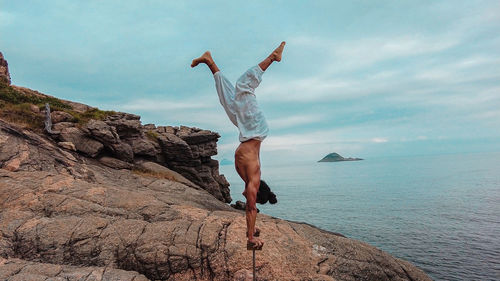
{"x": 254, "y": 277}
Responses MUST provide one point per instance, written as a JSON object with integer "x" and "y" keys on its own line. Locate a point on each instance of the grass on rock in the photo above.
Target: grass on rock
{"x": 15, "y": 107}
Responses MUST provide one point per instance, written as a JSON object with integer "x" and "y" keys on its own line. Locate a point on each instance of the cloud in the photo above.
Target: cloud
{"x": 379, "y": 140}
{"x": 348, "y": 55}
{"x": 295, "y": 121}
{"x": 162, "y": 105}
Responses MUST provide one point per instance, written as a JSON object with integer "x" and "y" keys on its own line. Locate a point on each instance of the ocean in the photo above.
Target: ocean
{"x": 440, "y": 212}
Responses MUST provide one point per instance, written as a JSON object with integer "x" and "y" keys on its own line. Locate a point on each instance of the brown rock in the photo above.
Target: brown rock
{"x": 61, "y": 116}
{"x": 144, "y": 146}
{"x": 103, "y": 132}
{"x": 127, "y": 125}
{"x": 174, "y": 148}
{"x": 115, "y": 163}
{"x": 82, "y": 141}
{"x": 21, "y": 270}
{"x": 4, "y": 70}
{"x": 158, "y": 169}
{"x": 34, "y": 108}
{"x": 61, "y": 125}
{"x": 149, "y": 127}
{"x": 76, "y": 218}
{"x": 167, "y": 129}
{"x": 67, "y": 145}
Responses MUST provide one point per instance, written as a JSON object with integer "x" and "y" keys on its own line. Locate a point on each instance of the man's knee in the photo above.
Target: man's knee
{"x": 247, "y": 83}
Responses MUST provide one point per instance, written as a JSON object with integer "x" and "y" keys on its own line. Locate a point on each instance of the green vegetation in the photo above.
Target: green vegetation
{"x": 21, "y": 114}
{"x": 152, "y": 135}
{"x": 147, "y": 173}
{"x": 14, "y": 96}
{"x": 15, "y": 106}
{"x": 93, "y": 113}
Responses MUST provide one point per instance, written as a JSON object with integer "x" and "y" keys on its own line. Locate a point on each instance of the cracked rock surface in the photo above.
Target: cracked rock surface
{"x": 65, "y": 216}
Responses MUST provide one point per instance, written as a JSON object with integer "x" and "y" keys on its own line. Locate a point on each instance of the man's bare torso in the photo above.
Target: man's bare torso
{"x": 247, "y": 160}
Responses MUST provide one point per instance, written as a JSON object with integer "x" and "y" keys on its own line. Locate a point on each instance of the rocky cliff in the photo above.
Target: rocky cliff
{"x": 4, "y": 70}
{"x": 103, "y": 197}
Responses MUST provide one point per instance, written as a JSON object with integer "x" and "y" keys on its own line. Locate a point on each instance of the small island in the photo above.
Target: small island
{"x": 335, "y": 157}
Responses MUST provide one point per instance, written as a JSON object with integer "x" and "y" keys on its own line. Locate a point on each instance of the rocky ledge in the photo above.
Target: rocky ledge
{"x": 103, "y": 201}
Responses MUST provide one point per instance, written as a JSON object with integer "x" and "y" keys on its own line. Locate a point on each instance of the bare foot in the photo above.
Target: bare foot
{"x": 255, "y": 244}
{"x": 206, "y": 58}
{"x": 276, "y": 54}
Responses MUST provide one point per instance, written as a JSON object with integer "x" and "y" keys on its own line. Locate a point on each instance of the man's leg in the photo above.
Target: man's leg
{"x": 224, "y": 88}
{"x": 206, "y": 58}
{"x": 250, "y": 80}
{"x": 274, "y": 56}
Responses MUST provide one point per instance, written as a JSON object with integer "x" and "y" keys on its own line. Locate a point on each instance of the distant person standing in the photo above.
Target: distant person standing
{"x": 242, "y": 109}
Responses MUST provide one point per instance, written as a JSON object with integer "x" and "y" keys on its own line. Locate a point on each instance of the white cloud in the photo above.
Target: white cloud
{"x": 295, "y": 121}
{"x": 340, "y": 56}
{"x": 379, "y": 140}
{"x": 161, "y": 105}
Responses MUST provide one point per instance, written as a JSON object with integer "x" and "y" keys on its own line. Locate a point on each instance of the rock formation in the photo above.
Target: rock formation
{"x": 182, "y": 149}
{"x": 4, "y": 70}
{"x": 111, "y": 206}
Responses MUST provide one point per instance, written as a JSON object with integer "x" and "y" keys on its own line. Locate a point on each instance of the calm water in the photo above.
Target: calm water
{"x": 441, "y": 213}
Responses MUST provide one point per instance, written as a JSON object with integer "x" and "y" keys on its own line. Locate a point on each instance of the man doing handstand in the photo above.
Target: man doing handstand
{"x": 241, "y": 107}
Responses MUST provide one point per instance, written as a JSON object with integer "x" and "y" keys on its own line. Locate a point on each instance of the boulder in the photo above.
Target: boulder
{"x": 174, "y": 148}
{"x": 242, "y": 206}
{"x": 81, "y": 140}
{"x": 61, "y": 116}
{"x": 127, "y": 125}
{"x": 149, "y": 127}
{"x": 122, "y": 150}
{"x": 144, "y": 146}
{"x": 67, "y": 145}
{"x": 34, "y": 108}
{"x": 103, "y": 132}
{"x": 61, "y": 125}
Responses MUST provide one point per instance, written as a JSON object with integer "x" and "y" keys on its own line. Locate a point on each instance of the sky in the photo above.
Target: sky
{"x": 361, "y": 78}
